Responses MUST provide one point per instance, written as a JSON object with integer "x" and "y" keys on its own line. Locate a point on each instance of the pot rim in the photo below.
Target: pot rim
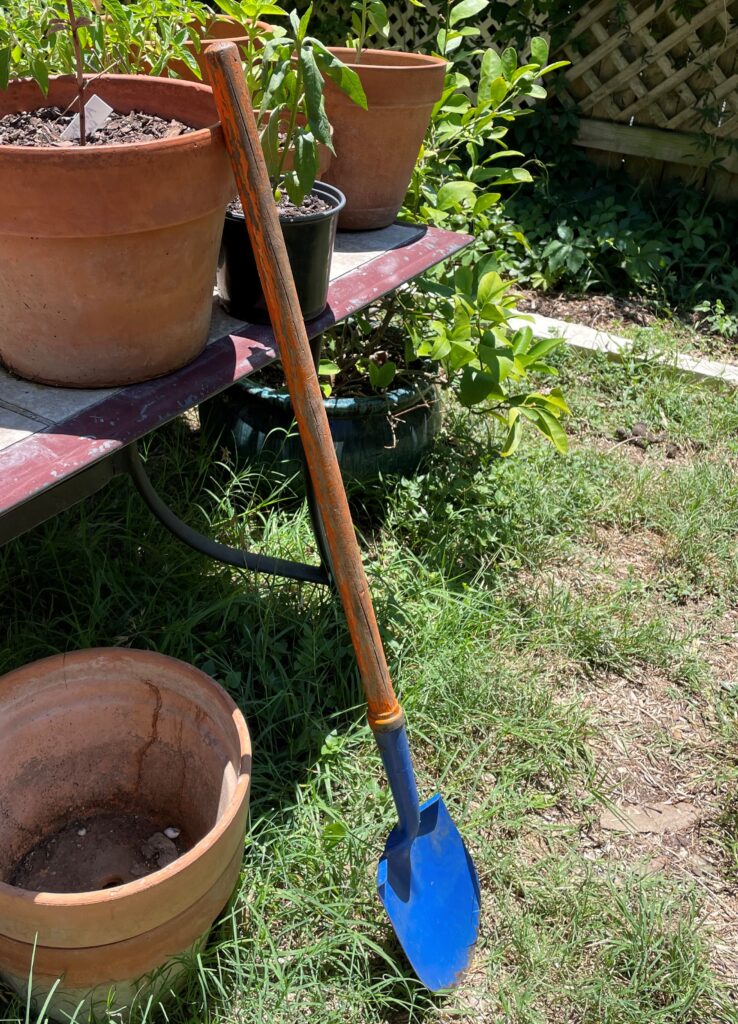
{"x": 97, "y": 897}
{"x": 394, "y": 398}
{"x": 90, "y": 153}
{"x": 392, "y": 60}
{"x": 325, "y": 191}
{"x": 226, "y": 19}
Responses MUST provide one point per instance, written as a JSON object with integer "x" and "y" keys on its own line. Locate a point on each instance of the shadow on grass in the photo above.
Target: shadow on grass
{"x": 104, "y": 574}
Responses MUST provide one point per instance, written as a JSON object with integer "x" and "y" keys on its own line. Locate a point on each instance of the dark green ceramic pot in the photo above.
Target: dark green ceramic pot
{"x": 378, "y": 435}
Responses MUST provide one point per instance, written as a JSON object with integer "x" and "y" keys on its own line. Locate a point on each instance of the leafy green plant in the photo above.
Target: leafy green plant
{"x": 139, "y": 37}
{"x": 453, "y": 325}
{"x": 457, "y": 182}
{"x": 458, "y": 335}
{"x": 457, "y": 177}
{"x": 292, "y": 108}
{"x": 715, "y": 318}
{"x": 250, "y": 14}
{"x": 369, "y": 18}
{"x": 489, "y": 363}
{"x": 577, "y": 229}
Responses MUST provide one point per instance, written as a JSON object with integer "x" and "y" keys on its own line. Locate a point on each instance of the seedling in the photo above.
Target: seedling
{"x": 40, "y": 38}
{"x": 73, "y": 23}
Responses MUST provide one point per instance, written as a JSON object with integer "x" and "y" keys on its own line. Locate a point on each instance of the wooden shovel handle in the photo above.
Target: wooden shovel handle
{"x": 262, "y": 221}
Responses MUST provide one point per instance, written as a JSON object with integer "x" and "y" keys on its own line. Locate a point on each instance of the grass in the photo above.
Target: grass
{"x": 519, "y": 600}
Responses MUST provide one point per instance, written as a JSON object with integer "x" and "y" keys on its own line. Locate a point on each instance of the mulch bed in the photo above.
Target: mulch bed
{"x": 604, "y": 312}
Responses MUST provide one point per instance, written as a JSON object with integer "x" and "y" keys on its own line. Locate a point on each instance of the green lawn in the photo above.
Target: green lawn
{"x": 563, "y": 633}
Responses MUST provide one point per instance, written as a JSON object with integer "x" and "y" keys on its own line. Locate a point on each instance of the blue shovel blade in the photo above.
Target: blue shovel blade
{"x": 430, "y": 890}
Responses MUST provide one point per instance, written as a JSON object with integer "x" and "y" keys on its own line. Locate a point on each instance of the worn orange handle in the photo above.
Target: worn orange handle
{"x": 262, "y": 221}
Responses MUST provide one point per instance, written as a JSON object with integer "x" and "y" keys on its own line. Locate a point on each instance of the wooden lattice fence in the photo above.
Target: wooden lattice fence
{"x": 657, "y": 92}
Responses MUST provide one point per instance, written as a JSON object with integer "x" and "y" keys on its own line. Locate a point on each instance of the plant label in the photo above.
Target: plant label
{"x": 97, "y": 112}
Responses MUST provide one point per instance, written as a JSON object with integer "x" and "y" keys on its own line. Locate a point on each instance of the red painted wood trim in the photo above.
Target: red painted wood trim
{"x": 45, "y": 459}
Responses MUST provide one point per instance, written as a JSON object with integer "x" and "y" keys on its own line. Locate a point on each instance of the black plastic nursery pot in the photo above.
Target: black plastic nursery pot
{"x": 378, "y": 435}
{"x": 309, "y": 240}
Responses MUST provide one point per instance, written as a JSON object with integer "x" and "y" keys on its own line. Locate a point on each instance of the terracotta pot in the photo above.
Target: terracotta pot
{"x": 129, "y": 732}
{"x": 107, "y": 254}
{"x": 219, "y": 28}
{"x": 376, "y": 149}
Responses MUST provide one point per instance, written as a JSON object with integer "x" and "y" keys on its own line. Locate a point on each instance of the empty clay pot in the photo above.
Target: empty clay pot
{"x": 376, "y": 149}
{"x": 135, "y": 734}
{"x": 108, "y": 253}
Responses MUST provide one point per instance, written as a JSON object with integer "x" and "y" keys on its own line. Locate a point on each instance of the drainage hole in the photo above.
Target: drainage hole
{"x": 110, "y": 883}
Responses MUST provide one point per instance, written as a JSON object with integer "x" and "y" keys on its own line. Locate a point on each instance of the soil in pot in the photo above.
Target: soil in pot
{"x": 376, "y": 149}
{"x": 108, "y": 252}
{"x": 123, "y": 806}
{"x": 44, "y": 127}
{"x": 99, "y": 851}
{"x": 309, "y": 235}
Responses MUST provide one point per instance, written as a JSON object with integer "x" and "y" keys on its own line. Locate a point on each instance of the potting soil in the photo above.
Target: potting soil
{"x": 99, "y": 851}
{"x": 43, "y": 128}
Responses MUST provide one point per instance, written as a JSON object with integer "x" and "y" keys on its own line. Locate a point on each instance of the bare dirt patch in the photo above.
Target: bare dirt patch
{"x": 661, "y": 756}
{"x": 667, "y": 769}
{"x": 664, "y": 453}
{"x": 604, "y": 312}
{"x": 625, "y": 555}
{"x": 97, "y": 852}
{"x": 612, "y": 557}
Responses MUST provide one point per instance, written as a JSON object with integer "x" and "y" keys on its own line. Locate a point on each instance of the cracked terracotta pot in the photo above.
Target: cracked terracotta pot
{"x": 108, "y": 253}
{"x": 376, "y": 149}
{"x": 133, "y": 733}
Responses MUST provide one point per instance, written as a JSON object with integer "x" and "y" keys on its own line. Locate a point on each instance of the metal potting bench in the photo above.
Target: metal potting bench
{"x": 59, "y": 445}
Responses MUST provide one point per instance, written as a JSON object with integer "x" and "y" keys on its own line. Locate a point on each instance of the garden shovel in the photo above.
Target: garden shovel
{"x": 426, "y": 879}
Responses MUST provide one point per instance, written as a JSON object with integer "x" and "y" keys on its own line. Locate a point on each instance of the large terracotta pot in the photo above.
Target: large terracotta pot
{"x": 224, "y": 28}
{"x": 136, "y": 733}
{"x": 107, "y": 254}
{"x": 376, "y": 149}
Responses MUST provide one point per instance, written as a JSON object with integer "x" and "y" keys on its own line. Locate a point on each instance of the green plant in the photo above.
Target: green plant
{"x": 292, "y": 109}
{"x": 577, "y": 229}
{"x": 716, "y": 319}
{"x": 458, "y": 317}
{"x": 455, "y": 184}
{"x": 250, "y": 14}
{"x": 487, "y": 362}
{"x": 368, "y": 18}
{"x": 457, "y": 334}
{"x": 456, "y": 178}
{"x": 112, "y": 37}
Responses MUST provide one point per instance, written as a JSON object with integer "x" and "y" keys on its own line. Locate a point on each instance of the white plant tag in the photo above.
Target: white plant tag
{"x": 97, "y": 112}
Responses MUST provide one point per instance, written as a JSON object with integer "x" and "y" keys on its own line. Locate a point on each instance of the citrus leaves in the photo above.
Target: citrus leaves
{"x": 465, "y": 158}
{"x": 489, "y": 364}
